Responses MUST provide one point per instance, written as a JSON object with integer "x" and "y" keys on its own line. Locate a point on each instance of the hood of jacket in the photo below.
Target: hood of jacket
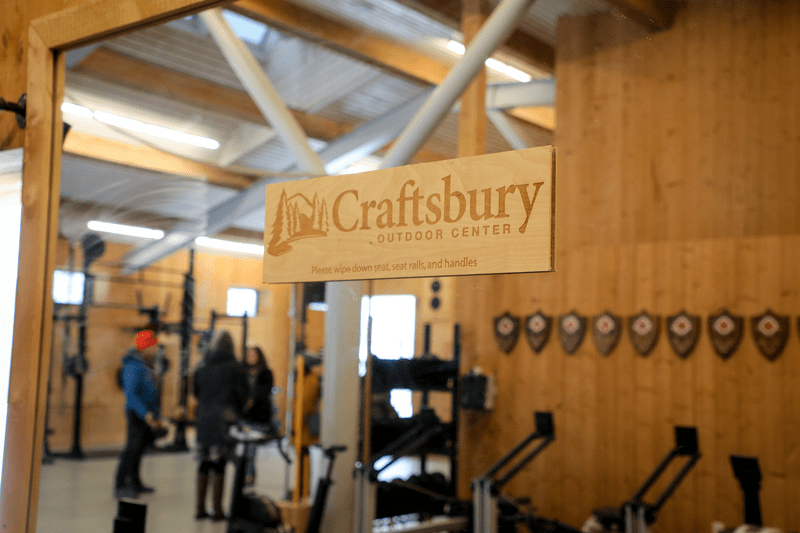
{"x": 132, "y": 356}
{"x": 217, "y": 357}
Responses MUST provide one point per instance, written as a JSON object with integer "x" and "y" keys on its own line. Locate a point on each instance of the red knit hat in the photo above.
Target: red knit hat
{"x": 145, "y": 339}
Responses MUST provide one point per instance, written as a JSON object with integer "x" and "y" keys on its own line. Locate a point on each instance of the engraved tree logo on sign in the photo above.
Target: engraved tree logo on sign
{"x": 296, "y": 218}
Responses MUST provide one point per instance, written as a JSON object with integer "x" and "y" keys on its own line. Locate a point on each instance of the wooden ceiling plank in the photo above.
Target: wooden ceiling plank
{"x": 90, "y": 146}
{"x": 367, "y": 47}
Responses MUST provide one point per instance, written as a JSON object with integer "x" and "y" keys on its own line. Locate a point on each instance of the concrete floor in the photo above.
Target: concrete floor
{"x": 77, "y": 496}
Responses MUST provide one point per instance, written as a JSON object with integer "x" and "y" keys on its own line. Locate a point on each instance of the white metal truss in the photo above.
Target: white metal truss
{"x": 496, "y": 28}
{"x": 262, "y": 91}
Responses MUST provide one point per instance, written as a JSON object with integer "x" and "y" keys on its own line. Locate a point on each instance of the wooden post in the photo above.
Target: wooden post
{"x": 472, "y": 116}
{"x": 29, "y": 364}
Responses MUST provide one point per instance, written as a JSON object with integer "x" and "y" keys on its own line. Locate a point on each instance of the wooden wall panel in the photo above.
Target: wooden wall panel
{"x": 677, "y": 189}
{"x": 110, "y": 333}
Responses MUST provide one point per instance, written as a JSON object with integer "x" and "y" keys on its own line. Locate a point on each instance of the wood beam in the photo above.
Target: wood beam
{"x": 349, "y": 40}
{"x": 654, "y": 15}
{"x": 145, "y": 157}
{"x": 100, "y": 19}
{"x": 30, "y": 352}
{"x": 380, "y": 51}
{"x": 140, "y": 75}
{"x": 519, "y": 45}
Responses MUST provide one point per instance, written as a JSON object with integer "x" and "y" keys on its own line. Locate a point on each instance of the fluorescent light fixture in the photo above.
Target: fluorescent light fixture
{"x": 155, "y": 131}
{"x": 456, "y": 47}
{"x": 230, "y": 246}
{"x": 121, "y": 229}
{"x": 493, "y": 64}
{"x": 140, "y": 127}
{"x": 77, "y": 110}
{"x": 508, "y": 70}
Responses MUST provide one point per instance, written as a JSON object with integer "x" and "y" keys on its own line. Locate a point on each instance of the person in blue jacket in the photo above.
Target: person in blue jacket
{"x": 142, "y": 413}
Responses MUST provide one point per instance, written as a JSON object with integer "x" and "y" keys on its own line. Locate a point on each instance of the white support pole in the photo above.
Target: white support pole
{"x": 497, "y": 27}
{"x": 528, "y": 94}
{"x": 262, "y": 92}
{"x": 507, "y": 129}
{"x": 341, "y": 398}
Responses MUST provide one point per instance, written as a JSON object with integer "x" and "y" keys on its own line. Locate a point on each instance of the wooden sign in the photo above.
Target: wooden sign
{"x": 486, "y": 214}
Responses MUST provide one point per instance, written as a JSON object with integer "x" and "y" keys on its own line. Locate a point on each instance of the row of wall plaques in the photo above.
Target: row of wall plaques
{"x": 770, "y": 332}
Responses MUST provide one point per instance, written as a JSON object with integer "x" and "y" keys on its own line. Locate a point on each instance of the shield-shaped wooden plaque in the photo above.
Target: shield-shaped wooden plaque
{"x": 770, "y": 331}
{"x": 506, "y": 331}
{"x": 725, "y": 332}
{"x": 571, "y": 329}
{"x": 606, "y": 332}
{"x": 537, "y": 330}
{"x": 644, "y": 329}
{"x": 683, "y": 332}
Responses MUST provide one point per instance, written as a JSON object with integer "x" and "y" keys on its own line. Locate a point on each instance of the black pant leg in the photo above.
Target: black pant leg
{"x": 137, "y": 440}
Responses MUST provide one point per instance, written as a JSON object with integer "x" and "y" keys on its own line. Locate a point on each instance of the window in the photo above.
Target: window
{"x": 68, "y": 287}
{"x": 393, "y": 325}
{"x": 246, "y": 28}
{"x": 242, "y": 301}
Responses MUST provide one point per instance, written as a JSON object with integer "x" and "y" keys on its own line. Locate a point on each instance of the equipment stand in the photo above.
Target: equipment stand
{"x": 186, "y": 330}
{"x": 748, "y": 473}
{"x": 638, "y": 514}
{"x": 486, "y": 488}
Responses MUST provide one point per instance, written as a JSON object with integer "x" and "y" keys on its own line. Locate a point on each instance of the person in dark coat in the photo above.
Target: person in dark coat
{"x": 258, "y": 412}
{"x": 220, "y": 386}
{"x": 141, "y": 411}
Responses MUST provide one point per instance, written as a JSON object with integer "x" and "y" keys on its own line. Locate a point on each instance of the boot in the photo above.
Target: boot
{"x": 202, "y": 485}
{"x": 217, "y": 487}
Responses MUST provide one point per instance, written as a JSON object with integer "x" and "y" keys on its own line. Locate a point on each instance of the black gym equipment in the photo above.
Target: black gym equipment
{"x": 131, "y": 517}
{"x": 185, "y": 329}
{"x": 636, "y": 515}
{"x": 323, "y": 486}
{"x": 748, "y": 474}
{"x": 250, "y": 513}
{"x": 77, "y": 365}
{"x": 421, "y": 435}
{"x": 426, "y": 498}
{"x": 494, "y": 512}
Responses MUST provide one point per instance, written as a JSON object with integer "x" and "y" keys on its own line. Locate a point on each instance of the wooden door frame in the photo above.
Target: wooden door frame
{"x": 48, "y": 38}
